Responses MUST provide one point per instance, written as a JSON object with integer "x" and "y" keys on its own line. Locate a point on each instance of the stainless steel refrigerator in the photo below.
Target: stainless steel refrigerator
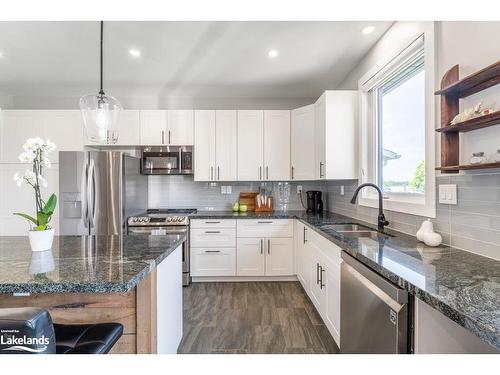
{"x": 98, "y": 191}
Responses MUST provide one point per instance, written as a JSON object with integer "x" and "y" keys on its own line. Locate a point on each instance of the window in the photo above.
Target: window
{"x": 397, "y": 130}
{"x": 401, "y": 132}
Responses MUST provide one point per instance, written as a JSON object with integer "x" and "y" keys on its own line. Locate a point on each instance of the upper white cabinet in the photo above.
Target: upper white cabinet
{"x": 204, "y": 145}
{"x": 263, "y": 145}
{"x": 276, "y": 145}
{"x": 335, "y": 130}
{"x": 215, "y": 146}
{"x": 161, "y": 127}
{"x": 153, "y": 127}
{"x": 302, "y": 144}
{"x": 226, "y": 154}
{"x": 250, "y": 145}
{"x": 180, "y": 127}
{"x": 64, "y": 128}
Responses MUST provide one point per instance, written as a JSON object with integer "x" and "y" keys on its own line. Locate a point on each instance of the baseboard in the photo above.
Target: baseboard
{"x": 206, "y": 279}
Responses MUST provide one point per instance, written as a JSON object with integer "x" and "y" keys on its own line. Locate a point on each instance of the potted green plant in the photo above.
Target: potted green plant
{"x": 36, "y": 152}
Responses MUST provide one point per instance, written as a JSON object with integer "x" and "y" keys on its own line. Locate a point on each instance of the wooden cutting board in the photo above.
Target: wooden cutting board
{"x": 248, "y": 198}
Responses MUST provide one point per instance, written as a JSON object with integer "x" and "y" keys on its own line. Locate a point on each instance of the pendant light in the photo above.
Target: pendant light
{"x": 100, "y": 112}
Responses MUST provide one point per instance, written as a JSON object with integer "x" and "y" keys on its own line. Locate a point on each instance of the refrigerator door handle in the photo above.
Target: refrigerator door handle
{"x": 85, "y": 198}
{"x": 92, "y": 193}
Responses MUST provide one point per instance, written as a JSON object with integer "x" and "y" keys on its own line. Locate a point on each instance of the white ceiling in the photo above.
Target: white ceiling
{"x": 197, "y": 59}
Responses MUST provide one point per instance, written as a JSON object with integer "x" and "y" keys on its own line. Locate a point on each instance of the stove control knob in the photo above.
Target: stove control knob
{"x": 169, "y": 219}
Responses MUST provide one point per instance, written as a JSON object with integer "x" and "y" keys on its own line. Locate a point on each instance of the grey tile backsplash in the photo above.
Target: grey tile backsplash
{"x": 473, "y": 224}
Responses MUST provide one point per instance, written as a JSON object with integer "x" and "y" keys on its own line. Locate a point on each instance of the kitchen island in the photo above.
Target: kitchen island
{"x": 93, "y": 279}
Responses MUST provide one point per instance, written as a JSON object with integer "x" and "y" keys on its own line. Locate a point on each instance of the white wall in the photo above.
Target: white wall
{"x": 153, "y": 102}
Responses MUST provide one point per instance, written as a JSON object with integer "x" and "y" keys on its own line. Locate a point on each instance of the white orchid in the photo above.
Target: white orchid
{"x": 35, "y": 151}
{"x": 27, "y": 157}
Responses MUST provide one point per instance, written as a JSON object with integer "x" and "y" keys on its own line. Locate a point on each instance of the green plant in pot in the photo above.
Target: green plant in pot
{"x": 36, "y": 152}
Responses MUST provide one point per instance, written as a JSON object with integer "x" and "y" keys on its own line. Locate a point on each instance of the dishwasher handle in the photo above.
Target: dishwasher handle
{"x": 393, "y": 291}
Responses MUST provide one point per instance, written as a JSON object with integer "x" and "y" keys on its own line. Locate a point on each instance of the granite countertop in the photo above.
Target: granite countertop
{"x": 82, "y": 264}
{"x": 463, "y": 286}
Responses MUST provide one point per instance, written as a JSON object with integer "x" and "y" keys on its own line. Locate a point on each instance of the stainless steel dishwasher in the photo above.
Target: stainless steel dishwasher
{"x": 373, "y": 311}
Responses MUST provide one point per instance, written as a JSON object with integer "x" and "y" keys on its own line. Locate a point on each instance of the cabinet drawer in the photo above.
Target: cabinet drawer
{"x": 213, "y": 223}
{"x": 213, "y": 237}
{"x": 265, "y": 228}
{"x": 213, "y": 261}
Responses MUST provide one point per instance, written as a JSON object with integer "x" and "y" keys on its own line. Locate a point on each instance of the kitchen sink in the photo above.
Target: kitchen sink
{"x": 353, "y": 230}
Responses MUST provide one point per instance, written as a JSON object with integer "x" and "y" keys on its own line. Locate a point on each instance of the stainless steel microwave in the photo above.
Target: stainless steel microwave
{"x": 167, "y": 160}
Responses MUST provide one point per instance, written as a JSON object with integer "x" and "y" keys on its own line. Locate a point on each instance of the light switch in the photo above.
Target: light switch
{"x": 342, "y": 190}
{"x": 448, "y": 194}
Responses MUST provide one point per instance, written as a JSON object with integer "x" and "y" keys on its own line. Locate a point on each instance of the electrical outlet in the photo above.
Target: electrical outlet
{"x": 299, "y": 189}
{"x": 448, "y": 194}
{"x": 229, "y": 190}
{"x": 223, "y": 189}
{"x": 342, "y": 192}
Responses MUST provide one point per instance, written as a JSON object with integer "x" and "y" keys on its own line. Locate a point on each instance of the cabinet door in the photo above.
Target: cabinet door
{"x": 130, "y": 128}
{"x": 276, "y": 145}
{"x": 65, "y": 129}
{"x": 332, "y": 307}
{"x": 250, "y": 145}
{"x": 153, "y": 127}
{"x": 213, "y": 261}
{"x": 303, "y": 159}
{"x": 204, "y": 145}
{"x": 302, "y": 261}
{"x": 279, "y": 256}
{"x": 15, "y": 128}
{"x": 317, "y": 292}
{"x": 250, "y": 258}
{"x": 180, "y": 127}
{"x": 319, "y": 135}
{"x": 226, "y": 145}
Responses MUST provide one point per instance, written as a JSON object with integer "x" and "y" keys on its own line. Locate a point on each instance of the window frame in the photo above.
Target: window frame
{"x": 408, "y": 203}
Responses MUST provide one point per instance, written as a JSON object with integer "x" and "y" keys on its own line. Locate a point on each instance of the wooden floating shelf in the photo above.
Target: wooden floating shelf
{"x": 473, "y": 124}
{"x": 478, "y": 81}
{"x": 456, "y": 168}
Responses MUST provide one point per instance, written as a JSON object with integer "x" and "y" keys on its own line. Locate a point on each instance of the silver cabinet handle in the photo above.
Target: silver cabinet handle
{"x": 261, "y": 246}
{"x": 317, "y": 273}
{"x": 322, "y": 270}
{"x": 321, "y": 170}
{"x": 162, "y": 137}
{"x": 169, "y": 137}
{"x": 218, "y": 173}
{"x": 212, "y": 231}
{"x": 268, "y": 246}
{"x": 260, "y": 173}
{"x": 292, "y": 171}
{"x": 267, "y": 172}
{"x": 212, "y": 222}
{"x": 212, "y": 251}
{"x": 264, "y": 222}
{"x": 211, "y": 173}
{"x": 305, "y": 234}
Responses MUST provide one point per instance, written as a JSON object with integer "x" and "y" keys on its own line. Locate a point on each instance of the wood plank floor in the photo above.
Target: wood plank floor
{"x": 254, "y": 318}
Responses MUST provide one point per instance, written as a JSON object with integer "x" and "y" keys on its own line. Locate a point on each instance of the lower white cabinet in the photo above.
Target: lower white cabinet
{"x": 211, "y": 261}
{"x": 318, "y": 270}
{"x": 264, "y": 256}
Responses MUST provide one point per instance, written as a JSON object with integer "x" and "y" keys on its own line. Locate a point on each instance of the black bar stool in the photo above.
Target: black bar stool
{"x": 30, "y": 330}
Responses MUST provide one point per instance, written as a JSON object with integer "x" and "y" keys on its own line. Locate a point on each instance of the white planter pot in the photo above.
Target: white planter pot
{"x": 41, "y": 240}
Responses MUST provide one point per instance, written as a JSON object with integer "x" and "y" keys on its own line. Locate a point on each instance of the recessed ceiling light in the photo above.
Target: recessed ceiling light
{"x": 273, "y": 53}
{"x": 134, "y": 52}
{"x": 368, "y": 30}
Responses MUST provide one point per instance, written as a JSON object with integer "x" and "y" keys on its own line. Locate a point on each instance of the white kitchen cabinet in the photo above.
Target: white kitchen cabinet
{"x": 303, "y": 260}
{"x": 250, "y": 145}
{"x": 65, "y": 129}
{"x": 279, "y": 256}
{"x": 216, "y": 237}
{"x": 265, "y": 228}
{"x": 211, "y": 261}
{"x": 331, "y": 277}
{"x": 335, "y": 131}
{"x": 250, "y": 260}
{"x": 130, "y": 129}
{"x": 180, "y": 127}
{"x": 204, "y": 145}
{"x": 317, "y": 288}
{"x": 276, "y": 145}
{"x": 153, "y": 127}
{"x": 302, "y": 144}
{"x": 226, "y": 145}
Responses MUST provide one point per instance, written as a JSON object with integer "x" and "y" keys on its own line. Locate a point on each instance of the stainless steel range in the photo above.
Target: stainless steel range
{"x": 162, "y": 222}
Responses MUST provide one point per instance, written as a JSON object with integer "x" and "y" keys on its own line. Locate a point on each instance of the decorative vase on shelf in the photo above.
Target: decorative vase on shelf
{"x": 41, "y": 240}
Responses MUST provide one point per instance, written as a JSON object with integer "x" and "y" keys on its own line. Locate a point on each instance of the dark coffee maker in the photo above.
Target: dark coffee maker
{"x": 314, "y": 202}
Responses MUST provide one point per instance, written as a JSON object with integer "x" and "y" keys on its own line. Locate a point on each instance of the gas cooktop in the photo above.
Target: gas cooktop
{"x": 162, "y": 217}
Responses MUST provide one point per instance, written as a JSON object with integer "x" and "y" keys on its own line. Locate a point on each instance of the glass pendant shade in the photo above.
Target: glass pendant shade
{"x": 100, "y": 116}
